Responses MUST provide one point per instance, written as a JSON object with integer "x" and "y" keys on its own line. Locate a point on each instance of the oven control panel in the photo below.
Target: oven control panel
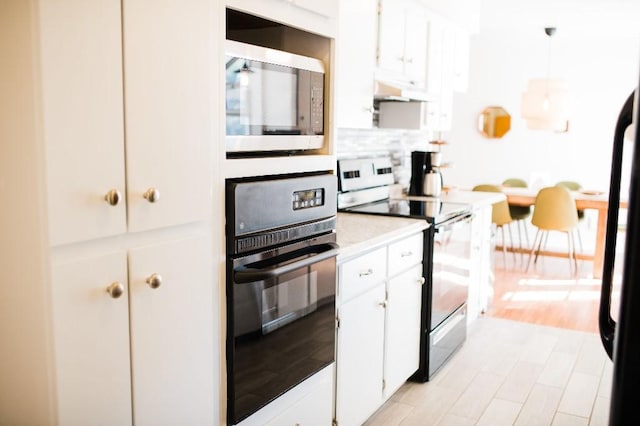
{"x": 307, "y": 198}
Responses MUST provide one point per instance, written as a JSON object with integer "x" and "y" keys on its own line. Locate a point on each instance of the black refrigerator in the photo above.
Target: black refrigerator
{"x": 621, "y": 338}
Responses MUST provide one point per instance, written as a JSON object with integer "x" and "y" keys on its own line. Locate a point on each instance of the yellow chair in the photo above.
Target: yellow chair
{"x": 574, "y": 186}
{"x": 519, "y": 213}
{"x": 554, "y": 210}
{"x": 500, "y": 216}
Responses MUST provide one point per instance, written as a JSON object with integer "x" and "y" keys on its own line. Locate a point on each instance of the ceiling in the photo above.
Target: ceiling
{"x": 573, "y": 18}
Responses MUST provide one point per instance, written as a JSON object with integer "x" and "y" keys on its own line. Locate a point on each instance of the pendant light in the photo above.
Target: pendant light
{"x": 544, "y": 104}
{"x": 243, "y": 74}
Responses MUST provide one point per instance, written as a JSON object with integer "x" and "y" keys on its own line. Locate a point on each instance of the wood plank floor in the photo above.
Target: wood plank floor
{"x": 510, "y": 373}
{"x": 549, "y": 293}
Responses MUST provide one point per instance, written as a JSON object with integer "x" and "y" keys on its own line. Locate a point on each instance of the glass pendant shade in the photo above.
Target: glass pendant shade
{"x": 545, "y": 104}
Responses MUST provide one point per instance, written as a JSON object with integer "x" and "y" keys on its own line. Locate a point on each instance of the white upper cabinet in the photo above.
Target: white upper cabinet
{"x": 402, "y": 41}
{"x": 164, "y": 146}
{"x": 356, "y": 49}
{"x": 460, "y": 60}
{"x": 167, "y": 147}
{"x": 83, "y": 118}
{"x": 441, "y": 74}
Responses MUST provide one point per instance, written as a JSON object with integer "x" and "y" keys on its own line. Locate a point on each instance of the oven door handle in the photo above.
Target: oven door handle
{"x": 245, "y": 274}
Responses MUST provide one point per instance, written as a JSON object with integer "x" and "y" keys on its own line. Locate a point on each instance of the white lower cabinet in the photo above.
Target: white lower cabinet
{"x": 360, "y": 357}
{"x": 91, "y": 341}
{"x": 379, "y": 327}
{"x": 157, "y": 297}
{"x": 402, "y": 345}
{"x": 481, "y": 281}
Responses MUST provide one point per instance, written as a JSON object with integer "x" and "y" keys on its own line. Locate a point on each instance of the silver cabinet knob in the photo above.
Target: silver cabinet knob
{"x": 365, "y": 273}
{"x": 115, "y": 290}
{"x": 421, "y": 281}
{"x": 154, "y": 280}
{"x": 113, "y": 197}
{"x": 151, "y": 195}
{"x": 383, "y": 304}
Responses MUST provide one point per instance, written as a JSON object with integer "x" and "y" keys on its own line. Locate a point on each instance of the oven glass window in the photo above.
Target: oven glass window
{"x": 451, "y": 270}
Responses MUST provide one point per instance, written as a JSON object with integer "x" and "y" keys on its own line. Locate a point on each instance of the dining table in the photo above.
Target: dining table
{"x": 593, "y": 200}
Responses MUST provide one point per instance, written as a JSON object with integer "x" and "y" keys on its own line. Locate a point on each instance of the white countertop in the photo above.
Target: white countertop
{"x": 359, "y": 233}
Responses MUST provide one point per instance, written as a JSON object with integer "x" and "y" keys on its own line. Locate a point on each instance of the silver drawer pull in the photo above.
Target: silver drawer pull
{"x": 365, "y": 273}
{"x": 383, "y": 304}
{"x": 406, "y": 254}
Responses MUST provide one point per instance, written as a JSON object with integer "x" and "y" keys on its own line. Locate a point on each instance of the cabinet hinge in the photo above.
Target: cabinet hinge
{"x": 384, "y": 384}
{"x": 379, "y": 7}
{"x": 334, "y": 422}
{"x": 337, "y": 322}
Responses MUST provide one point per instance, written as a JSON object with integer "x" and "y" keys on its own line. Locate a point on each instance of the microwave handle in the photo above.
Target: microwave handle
{"x": 243, "y": 274}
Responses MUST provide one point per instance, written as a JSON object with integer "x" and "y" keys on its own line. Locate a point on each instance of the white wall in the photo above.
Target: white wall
{"x": 601, "y": 74}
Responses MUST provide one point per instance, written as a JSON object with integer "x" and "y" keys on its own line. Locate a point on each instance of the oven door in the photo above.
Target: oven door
{"x": 281, "y": 321}
{"x": 451, "y": 271}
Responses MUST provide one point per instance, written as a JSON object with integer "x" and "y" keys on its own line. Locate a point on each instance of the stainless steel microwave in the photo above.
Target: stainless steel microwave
{"x": 274, "y": 100}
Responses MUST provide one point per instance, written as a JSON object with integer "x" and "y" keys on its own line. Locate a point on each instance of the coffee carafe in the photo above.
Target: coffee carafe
{"x": 426, "y": 178}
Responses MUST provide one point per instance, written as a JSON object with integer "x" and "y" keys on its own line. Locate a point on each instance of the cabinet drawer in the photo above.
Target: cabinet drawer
{"x": 405, "y": 253}
{"x": 362, "y": 273}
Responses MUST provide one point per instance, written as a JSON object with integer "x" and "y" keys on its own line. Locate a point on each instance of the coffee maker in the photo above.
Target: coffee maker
{"x": 426, "y": 178}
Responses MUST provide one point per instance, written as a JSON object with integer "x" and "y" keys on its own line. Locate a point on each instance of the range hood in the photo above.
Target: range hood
{"x": 398, "y": 91}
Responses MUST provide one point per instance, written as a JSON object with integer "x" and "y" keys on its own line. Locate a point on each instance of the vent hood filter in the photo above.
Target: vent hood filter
{"x": 395, "y": 91}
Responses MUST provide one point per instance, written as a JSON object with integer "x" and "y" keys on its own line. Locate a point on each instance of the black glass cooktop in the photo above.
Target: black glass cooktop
{"x": 434, "y": 211}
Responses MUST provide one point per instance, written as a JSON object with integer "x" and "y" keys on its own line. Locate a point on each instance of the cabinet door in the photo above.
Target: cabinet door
{"x": 391, "y": 37}
{"x": 360, "y": 357}
{"x": 326, "y": 8}
{"x": 435, "y": 39}
{"x": 402, "y": 344}
{"x": 168, "y": 85}
{"x": 356, "y": 62}
{"x": 91, "y": 341}
{"x": 172, "y": 333}
{"x": 461, "y": 61}
{"x": 415, "y": 45}
{"x": 83, "y": 117}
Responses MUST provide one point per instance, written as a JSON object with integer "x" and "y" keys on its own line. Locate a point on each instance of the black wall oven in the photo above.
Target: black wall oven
{"x": 281, "y": 281}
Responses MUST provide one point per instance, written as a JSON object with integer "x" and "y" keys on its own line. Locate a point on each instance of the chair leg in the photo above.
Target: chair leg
{"x": 543, "y": 237}
{"x": 575, "y": 254}
{"x": 520, "y": 240}
{"x": 526, "y": 233}
{"x": 533, "y": 247}
{"x": 511, "y": 239}
{"x": 579, "y": 239}
{"x": 504, "y": 249}
{"x": 569, "y": 241}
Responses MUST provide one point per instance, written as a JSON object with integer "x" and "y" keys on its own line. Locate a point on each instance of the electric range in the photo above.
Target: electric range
{"x": 365, "y": 187}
